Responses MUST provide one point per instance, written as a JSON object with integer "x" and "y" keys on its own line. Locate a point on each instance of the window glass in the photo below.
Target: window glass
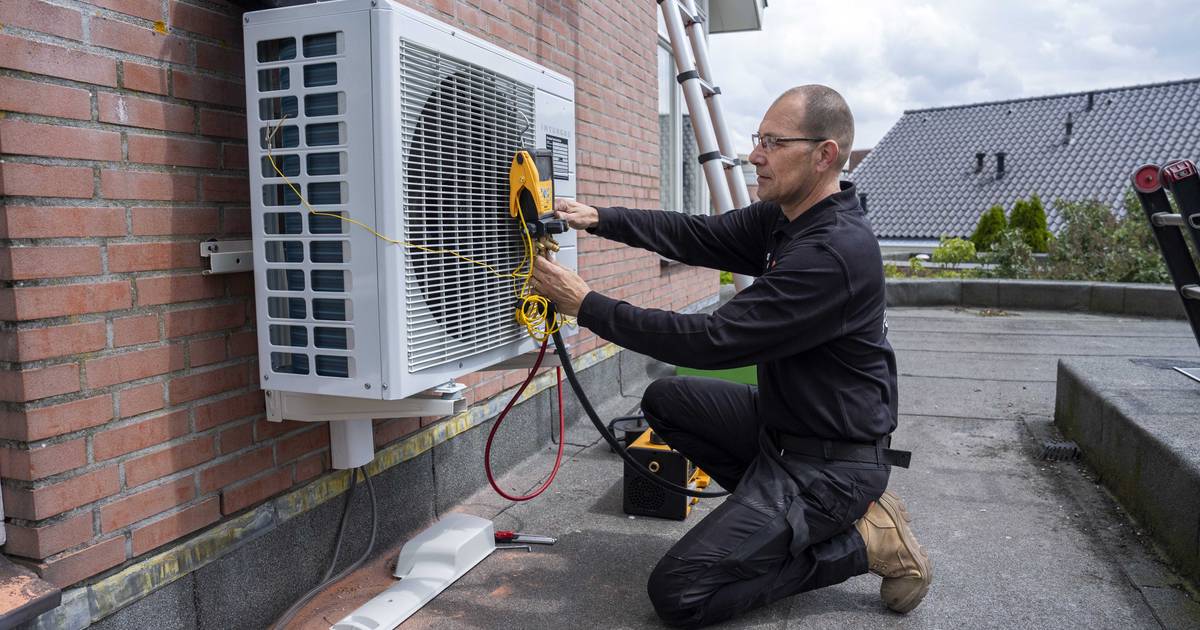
{"x": 668, "y": 164}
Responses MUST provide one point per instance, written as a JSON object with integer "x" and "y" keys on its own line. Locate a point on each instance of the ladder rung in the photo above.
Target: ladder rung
{"x": 1167, "y": 219}
{"x": 1190, "y": 291}
{"x": 706, "y": 89}
{"x": 688, "y": 18}
{"x": 727, "y": 161}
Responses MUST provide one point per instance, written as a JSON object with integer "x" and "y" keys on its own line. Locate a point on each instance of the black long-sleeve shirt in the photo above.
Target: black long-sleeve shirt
{"x": 813, "y": 321}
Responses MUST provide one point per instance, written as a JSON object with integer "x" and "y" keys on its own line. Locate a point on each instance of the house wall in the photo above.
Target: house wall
{"x": 130, "y": 414}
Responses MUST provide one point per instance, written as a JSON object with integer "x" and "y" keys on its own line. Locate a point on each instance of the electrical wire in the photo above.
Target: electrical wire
{"x": 287, "y": 616}
{"x": 487, "y": 449}
{"x": 337, "y": 544}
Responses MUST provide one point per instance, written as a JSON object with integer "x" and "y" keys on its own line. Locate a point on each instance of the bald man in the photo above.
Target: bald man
{"x": 805, "y": 453}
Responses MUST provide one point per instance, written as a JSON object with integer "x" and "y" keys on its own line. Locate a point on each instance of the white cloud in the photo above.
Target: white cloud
{"x": 885, "y": 57}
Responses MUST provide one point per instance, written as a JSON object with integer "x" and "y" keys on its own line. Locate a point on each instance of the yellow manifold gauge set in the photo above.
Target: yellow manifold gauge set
{"x": 531, "y": 196}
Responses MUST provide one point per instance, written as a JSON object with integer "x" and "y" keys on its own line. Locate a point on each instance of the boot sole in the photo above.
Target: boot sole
{"x": 899, "y": 513}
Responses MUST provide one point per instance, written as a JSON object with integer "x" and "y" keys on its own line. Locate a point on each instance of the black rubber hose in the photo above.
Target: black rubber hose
{"x": 612, "y": 427}
{"x": 565, "y": 358}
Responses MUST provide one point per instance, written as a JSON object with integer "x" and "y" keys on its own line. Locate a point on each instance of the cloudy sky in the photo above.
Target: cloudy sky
{"x": 887, "y": 56}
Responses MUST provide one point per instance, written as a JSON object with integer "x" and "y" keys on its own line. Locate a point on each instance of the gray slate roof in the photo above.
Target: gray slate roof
{"x": 920, "y": 180}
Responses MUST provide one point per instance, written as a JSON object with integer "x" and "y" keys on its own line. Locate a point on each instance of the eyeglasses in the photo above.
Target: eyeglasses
{"x": 769, "y": 142}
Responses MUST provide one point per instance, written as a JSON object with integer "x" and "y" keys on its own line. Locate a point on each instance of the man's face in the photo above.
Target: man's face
{"x": 789, "y": 171}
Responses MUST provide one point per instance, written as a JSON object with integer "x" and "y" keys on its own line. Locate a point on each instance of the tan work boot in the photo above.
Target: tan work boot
{"x": 894, "y": 554}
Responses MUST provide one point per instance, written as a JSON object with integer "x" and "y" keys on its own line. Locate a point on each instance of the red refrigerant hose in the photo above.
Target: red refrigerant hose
{"x": 487, "y": 450}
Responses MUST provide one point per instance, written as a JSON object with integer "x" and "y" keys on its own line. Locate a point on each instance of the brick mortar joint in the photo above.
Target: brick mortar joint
{"x": 165, "y": 99}
{"x": 89, "y": 12}
{"x": 121, "y": 166}
{"x": 108, "y": 353}
{"x": 126, "y": 492}
{"x": 115, "y": 390}
{"x": 117, "y": 315}
{"x": 78, "y": 46}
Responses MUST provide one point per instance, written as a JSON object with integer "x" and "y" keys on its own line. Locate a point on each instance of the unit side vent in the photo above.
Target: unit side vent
{"x": 461, "y": 125}
{"x": 311, "y": 319}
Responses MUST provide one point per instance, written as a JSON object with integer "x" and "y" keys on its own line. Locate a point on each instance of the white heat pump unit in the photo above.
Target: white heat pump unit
{"x": 406, "y": 125}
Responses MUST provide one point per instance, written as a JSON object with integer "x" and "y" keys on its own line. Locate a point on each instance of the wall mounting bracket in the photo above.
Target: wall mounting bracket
{"x": 227, "y": 256}
{"x": 351, "y": 432}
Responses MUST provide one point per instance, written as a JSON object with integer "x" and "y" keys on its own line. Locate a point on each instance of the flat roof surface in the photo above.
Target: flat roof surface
{"x": 1016, "y": 542}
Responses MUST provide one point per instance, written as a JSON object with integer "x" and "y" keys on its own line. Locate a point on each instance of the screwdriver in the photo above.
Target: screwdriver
{"x": 507, "y": 536}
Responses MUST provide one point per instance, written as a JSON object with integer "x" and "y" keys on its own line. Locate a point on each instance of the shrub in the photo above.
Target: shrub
{"x": 915, "y": 266}
{"x": 1084, "y": 241}
{"x": 1136, "y": 246}
{"x": 1084, "y": 248}
{"x": 1012, "y": 256}
{"x": 1094, "y": 244}
{"x": 991, "y": 224}
{"x": 726, "y": 277}
{"x": 1030, "y": 218}
{"x": 954, "y": 252}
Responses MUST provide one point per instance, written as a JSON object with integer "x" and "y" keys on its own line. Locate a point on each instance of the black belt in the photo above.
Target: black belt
{"x": 834, "y": 450}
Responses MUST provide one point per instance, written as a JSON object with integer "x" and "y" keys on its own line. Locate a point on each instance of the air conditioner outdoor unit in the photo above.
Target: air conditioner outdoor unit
{"x": 408, "y": 126}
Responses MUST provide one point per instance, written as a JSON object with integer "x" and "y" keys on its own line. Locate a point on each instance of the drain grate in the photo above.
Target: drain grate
{"x": 1059, "y": 451}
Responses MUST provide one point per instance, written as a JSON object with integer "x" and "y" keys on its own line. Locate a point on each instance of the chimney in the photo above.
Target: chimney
{"x": 862, "y": 201}
{"x": 979, "y": 162}
{"x": 1091, "y": 102}
{"x": 1000, "y": 164}
{"x": 1070, "y": 127}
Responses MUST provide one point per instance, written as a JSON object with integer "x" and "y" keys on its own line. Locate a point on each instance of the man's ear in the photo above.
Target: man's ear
{"x": 829, "y": 152}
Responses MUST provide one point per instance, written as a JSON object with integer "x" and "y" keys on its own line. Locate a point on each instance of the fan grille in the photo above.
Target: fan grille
{"x": 461, "y": 124}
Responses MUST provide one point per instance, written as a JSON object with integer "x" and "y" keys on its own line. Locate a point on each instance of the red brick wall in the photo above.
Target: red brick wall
{"x": 130, "y": 414}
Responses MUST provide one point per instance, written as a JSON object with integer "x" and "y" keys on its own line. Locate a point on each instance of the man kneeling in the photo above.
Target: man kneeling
{"x": 806, "y": 452}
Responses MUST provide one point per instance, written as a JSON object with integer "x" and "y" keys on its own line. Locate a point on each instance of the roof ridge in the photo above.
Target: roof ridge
{"x": 1097, "y": 92}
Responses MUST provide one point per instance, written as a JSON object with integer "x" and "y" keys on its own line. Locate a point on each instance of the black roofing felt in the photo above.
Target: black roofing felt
{"x": 920, "y": 180}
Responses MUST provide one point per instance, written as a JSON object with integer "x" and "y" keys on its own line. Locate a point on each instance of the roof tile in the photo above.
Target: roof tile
{"x": 921, "y": 182}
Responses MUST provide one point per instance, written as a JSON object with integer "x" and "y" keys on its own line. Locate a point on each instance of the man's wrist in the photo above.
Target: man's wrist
{"x": 600, "y": 212}
{"x": 595, "y": 309}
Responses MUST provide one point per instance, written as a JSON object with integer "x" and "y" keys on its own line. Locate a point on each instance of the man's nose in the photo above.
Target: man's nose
{"x": 757, "y": 155}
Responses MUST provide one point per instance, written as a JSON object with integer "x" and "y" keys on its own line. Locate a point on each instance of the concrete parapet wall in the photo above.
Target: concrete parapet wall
{"x": 1153, "y": 300}
{"x": 1137, "y": 422}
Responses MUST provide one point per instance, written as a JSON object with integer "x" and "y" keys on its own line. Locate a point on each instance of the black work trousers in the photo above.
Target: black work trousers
{"x": 787, "y": 527}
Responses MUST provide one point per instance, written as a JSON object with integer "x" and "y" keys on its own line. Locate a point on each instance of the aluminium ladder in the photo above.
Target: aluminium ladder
{"x": 1181, "y": 178}
{"x": 708, "y": 121}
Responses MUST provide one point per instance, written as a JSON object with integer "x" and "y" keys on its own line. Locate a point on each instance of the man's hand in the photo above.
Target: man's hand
{"x": 577, "y": 215}
{"x": 561, "y": 286}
